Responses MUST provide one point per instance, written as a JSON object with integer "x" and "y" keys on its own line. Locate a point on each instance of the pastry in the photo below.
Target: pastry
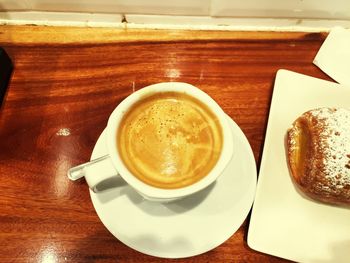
{"x": 318, "y": 152}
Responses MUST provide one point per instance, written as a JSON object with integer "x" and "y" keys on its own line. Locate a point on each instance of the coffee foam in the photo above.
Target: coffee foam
{"x": 170, "y": 140}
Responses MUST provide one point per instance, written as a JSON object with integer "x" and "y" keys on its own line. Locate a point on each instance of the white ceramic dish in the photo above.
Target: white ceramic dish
{"x": 283, "y": 222}
{"x": 186, "y": 227}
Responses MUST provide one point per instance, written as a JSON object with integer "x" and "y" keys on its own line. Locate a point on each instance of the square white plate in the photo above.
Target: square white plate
{"x": 283, "y": 222}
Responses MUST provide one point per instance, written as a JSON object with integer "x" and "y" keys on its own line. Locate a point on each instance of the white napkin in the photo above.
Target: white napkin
{"x": 333, "y": 58}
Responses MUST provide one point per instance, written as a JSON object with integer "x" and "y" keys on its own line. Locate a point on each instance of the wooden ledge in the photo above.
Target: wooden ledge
{"x": 31, "y": 34}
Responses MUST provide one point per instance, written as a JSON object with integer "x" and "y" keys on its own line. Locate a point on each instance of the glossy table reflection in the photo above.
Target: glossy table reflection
{"x": 65, "y": 84}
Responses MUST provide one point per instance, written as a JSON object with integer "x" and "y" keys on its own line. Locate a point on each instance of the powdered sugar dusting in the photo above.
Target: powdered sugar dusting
{"x": 334, "y": 143}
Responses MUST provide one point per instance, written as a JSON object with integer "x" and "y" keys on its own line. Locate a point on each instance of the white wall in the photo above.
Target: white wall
{"x": 326, "y": 9}
{"x": 196, "y": 12}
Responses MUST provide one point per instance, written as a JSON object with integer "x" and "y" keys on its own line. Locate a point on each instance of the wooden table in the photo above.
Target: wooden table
{"x": 65, "y": 84}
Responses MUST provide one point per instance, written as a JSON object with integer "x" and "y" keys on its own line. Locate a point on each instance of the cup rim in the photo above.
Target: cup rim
{"x": 162, "y": 193}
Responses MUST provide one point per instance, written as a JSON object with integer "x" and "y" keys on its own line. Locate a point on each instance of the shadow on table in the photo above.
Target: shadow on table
{"x": 100, "y": 246}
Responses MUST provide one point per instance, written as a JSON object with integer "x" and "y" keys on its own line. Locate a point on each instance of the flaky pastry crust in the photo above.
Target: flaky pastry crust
{"x": 318, "y": 153}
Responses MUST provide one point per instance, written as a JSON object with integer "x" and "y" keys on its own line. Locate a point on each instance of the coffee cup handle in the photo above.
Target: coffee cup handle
{"x": 95, "y": 171}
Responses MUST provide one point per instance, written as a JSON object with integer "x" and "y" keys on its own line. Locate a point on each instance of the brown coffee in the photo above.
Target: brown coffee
{"x": 169, "y": 140}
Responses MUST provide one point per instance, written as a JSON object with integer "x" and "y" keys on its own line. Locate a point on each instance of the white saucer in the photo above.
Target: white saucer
{"x": 187, "y": 227}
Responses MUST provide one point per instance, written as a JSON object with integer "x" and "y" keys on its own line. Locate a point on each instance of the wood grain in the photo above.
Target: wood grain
{"x": 65, "y": 84}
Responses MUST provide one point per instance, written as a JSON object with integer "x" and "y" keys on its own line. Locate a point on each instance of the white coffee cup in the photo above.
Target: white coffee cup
{"x": 111, "y": 165}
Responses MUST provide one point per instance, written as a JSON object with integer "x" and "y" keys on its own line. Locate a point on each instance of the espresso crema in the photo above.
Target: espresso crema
{"x": 169, "y": 140}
